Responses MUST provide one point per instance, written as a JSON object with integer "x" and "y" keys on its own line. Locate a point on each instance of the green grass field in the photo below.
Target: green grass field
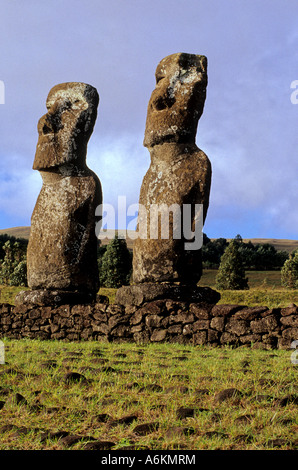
{"x": 155, "y": 396}
{"x": 163, "y": 396}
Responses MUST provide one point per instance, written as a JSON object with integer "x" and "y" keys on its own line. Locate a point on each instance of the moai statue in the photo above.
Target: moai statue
{"x": 62, "y": 250}
{"x": 179, "y": 176}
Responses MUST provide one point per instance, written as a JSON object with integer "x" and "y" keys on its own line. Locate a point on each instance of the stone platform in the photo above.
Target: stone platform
{"x": 163, "y": 320}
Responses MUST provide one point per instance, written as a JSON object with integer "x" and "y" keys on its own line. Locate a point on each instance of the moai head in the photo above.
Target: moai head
{"x": 66, "y": 128}
{"x": 177, "y": 102}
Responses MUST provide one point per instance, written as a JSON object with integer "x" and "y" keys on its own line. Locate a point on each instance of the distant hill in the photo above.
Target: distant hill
{"x": 18, "y": 232}
{"x": 105, "y": 237}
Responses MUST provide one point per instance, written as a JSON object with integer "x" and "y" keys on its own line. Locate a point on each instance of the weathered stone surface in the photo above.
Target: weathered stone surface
{"x": 212, "y": 336}
{"x": 290, "y": 320}
{"x": 52, "y": 297}
{"x": 158, "y": 335}
{"x": 200, "y": 337}
{"x": 238, "y": 327}
{"x": 179, "y": 173}
{"x": 201, "y": 311}
{"x": 251, "y": 338}
{"x": 217, "y": 323}
{"x": 290, "y": 334}
{"x": 225, "y": 310}
{"x": 227, "y": 394}
{"x": 291, "y": 310}
{"x": 249, "y": 313}
{"x": 62, "y": 246}
{"x": 140, "y": 293}
{"x": 264, "y": 325}
{"x": 160, "y": 320}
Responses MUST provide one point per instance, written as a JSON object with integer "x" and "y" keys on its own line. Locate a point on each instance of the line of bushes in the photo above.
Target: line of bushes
{"x": 231, "y": 259}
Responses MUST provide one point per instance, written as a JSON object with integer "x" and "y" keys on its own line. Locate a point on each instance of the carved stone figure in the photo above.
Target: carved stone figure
{"x": 62, "y": 250}
{"x": 179, "y": 173}
{"x": 179, "y": 177}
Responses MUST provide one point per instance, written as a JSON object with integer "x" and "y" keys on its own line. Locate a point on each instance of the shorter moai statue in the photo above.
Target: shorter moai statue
{"x": 179, "y": 177}
{"x": 62, "y": 250}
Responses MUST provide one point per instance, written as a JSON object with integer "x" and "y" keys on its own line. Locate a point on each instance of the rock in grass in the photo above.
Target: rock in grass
{"x": 74, "y": 377}
{"x": 19, "y": 399}
{"x": 277, "y": 442}
{"x": 177, "y": 431}
{"x": 134, "y": 447}
{"x": 99, "y": 445}
{"x": 7, "y": 428}
{"x": 126, "y": 420}
{"x": 102, "y": 418}
{"x": 244, "y": 419}
{"x": 182, "y": 412}
{"x": 18, "y": 430}
{"x": 289, "y": 399}
{"x": 151, "y": 388}
{"x": 227, "y": 394}
{"x": 146, "y": 428}
{"x": 174, "y": 389}
{"x": 53, "y": 435}
{"x": 72, "y": 439}
{"x": 210, "y": 434}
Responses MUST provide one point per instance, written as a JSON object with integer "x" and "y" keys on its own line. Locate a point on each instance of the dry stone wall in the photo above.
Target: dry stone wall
{"x": 157, "y": 321}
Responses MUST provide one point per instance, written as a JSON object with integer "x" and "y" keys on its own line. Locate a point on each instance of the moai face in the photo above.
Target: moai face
{"x": 66, "y": 128}
{"x": 177, "y": 102}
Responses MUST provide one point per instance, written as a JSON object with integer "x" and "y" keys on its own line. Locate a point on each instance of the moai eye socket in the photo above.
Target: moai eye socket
{"x": 159, "y": 77}
{"x": 163, "y": 102}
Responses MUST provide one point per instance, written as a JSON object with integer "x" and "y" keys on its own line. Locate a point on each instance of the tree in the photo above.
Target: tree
{"x": 4, "y": 238}
{"x": 13, "y": 268}
{"x": 19, "y": 275}
{"x": 212, "y": 251}
{"x": 115, "y": 265}
{"x": 231, "y": 272}
{"x": 289, "y": 271}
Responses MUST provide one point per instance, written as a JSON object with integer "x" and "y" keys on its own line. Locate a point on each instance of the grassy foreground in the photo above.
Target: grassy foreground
{"x": 95, "y": 395}
{"x": 164, "y": 396}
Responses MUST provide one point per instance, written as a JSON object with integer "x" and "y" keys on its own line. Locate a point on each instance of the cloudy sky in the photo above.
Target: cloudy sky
{"x": 249, "y": 127}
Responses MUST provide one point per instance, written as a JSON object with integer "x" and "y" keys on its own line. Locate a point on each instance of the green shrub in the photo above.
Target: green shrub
{"x": 13, "y": 268}
{"x": 289, "y": 271}
{"x": 115, "y": 265}
{"x": 231, "y": 272}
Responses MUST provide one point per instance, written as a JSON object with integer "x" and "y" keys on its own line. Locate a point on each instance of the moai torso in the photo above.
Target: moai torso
{"x": 179, "y": 173}
{"x": 62, "y": 246}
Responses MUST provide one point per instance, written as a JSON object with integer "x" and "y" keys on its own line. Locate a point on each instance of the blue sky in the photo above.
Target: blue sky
{"x": 249, "y": 125}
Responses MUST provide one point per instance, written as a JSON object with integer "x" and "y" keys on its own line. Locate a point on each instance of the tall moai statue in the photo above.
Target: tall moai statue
{"x": 62, "y": 250}
{"x": 179, "y": 177}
